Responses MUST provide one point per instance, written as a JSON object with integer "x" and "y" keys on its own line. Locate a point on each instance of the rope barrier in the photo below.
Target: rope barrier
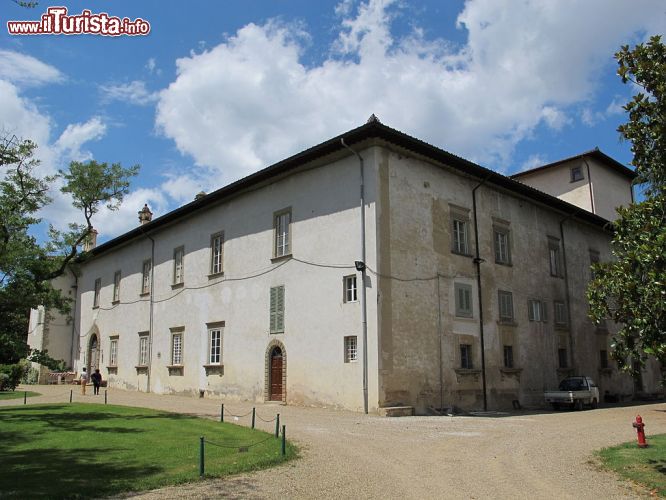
{"x": 267, "y": 421}
{"x": 238, "y": 446}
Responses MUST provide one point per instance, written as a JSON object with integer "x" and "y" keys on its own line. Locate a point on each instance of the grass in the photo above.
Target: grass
{"x": 89, "y": 450}
{"x": 16, "y": 394}
{"x": 645, "y": 466}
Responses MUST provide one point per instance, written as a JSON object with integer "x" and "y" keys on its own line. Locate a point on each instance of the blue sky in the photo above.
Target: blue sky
{"x": 216, "y": 92}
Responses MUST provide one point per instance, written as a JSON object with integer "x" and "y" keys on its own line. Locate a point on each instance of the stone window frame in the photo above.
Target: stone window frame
{"x": 460, "y": 219}
{"x": 461, "y": 312}
{"x": 350, "y": 348}
{"x": 282, "y": 236}
{"x": 97, "y": 292}
{"x": 178, "y": 270}
{"x": 349, "y": 289}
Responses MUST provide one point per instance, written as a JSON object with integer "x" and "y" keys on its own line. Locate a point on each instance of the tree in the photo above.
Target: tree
{"x": 28, "y": 266}
{"x": 631, "y": 289}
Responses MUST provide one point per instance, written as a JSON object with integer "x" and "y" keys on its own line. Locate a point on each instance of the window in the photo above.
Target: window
{"x": 502, "y": 251}
{"x": 178, "y": 265}
{"x": 215, "y": 346}
{"x": 177, "y": 348}
{"x": 277, "y": 309}
{"x": 143, "y": 349}
{"x": 463, "y": 300}
{"x": 554, "y": 257}
{"x": 460, "y": 236}
{"x": 350, "y": 288}
{"x": 505, "y": 300}
{"x": 98, "y": 289}
{"x": 116, "y": 286}
{"x": 351, "y": 351}
{"x": 508, "y": 356}
{"x": 145, "y": 282}
{"x": 216, "y": 244}
{"x": 560, "y": 313}
{"x": 603, "y": 359}
{"x": 113, "y": 352}
{"x": 562, "y": 358}
{"x": 282, "y": 226}
{"x": 536, "y": 310}
{"x": 466, "y": 356}
{"x": 577, "y": 174}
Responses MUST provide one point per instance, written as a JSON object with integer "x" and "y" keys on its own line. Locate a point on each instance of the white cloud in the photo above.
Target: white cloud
{"x": 134, "y": 92}
{"x": 76, "y": 135}
{"x": 533, "y": 161}
{"x": 25, "y": 70}
{"x": 250, "y": 100}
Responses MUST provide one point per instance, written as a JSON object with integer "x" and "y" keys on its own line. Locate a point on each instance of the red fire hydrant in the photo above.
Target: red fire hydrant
{"x": 640, "y": 426}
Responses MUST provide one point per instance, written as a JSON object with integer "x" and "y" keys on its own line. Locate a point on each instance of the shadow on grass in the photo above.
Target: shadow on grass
{"x": 66, "y": 474}
{"x": 54, "y": 416}
{"x": 658, "y": 465}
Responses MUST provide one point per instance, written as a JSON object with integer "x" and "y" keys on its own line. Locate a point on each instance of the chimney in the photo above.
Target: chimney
{"x": 90, "y": 241}
{"x": 200, "y": 194}
{"x": 145, "y": 215}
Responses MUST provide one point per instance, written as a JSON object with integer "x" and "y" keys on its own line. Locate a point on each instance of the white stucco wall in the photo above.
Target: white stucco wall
{"x": 325, "y": 230}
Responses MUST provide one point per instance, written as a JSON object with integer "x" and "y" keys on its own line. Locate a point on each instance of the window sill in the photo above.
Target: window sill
{"x": 212, "y": 276}
{"x": 505, "y": 264}
{"x": 276, "y": 333}
{"x": 350, "y": 302}
{"x": 214, "y": 369}
{"x": 462, "y": 254}
{"x": 144, "y": 294}
{"x": 510, "y": 371}
{"x": 464, "y": 318}
{"x": 177, "y": 285}
{"x": 141, "y": 367}
{"x": 507, "y": 323}
{"x": 281, "y": 258}
{"x": 176, "y": 370}
{"x": 467, "y": 371}
{"x": 113, "y": 370}
{"x": 115, "y": 302}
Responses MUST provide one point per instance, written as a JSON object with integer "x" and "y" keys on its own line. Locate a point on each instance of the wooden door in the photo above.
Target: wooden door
{"x": 276, "y": 375}
{"x": 93, "y": 355}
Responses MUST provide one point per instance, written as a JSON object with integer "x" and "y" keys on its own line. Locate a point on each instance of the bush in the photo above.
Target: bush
{"x": 10, "y": 376}
{"x": 31, "y": 376}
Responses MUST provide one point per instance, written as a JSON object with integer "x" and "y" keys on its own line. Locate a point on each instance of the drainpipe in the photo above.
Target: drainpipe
{"x": 152, "y": 298}
{"x": 566, "y": 290}
{"x": 360, "y": 266}
{"x": 439, "y": 327}
{"x": 589, "y": 183}
{"x": 478, "y": 260}
{"x": 75, "y": 286}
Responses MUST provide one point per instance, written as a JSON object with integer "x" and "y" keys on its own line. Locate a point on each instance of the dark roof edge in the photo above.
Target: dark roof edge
{"x": 369, "y": 130}
{"x": 597, "y": 153}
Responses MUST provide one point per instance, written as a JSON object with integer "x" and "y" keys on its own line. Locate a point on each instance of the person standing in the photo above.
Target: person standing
{"x": 96, "y": 380}
{"x": 84, "y": 380}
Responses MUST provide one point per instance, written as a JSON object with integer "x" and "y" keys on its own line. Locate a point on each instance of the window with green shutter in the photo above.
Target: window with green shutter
{"x": 277, "y": 309}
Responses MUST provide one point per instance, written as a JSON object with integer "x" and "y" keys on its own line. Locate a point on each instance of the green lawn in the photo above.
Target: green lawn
{"x": 16, "y": 394}
{"x": 89, "y": 450}
{"x": 645, "y": 466}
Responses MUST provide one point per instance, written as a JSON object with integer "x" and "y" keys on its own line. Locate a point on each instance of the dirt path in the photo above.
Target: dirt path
{"x": 347, "y": 455}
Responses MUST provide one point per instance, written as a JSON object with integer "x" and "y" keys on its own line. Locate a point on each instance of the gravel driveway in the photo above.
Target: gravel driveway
{"x": 349, "y": 455}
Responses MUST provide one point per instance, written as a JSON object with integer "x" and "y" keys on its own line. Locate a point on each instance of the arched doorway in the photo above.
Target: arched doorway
{"x": 93, "y": 353}
{"x": 276, "y": 372}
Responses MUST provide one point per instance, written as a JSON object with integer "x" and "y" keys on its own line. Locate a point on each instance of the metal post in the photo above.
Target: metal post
{"x": 25, "y": 397}
{"x": 70, "y": 395}
{"x": 277, "y": 425}
{"x": 284, "y": 441}
{"x": 105, "y": 396}
{"x": 222, "y": 413}
{"x": 201, "y": 456}
{"x": 253, "y": 414}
